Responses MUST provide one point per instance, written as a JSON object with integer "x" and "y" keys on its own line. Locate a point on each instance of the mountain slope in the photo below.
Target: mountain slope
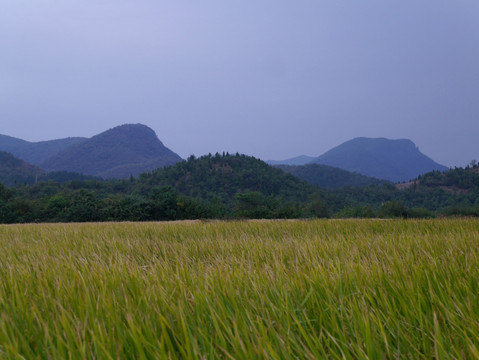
{"x": 298, "y": 160}
{"x": 14, "y": 171}
{"x": 329, "y": 177}
{"x": 116, "y": 153}
{"x": 36, "y": 152}
{"x": 393, "y": 160}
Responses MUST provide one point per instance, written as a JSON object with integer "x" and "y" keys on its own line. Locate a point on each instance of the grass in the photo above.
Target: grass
{"x": 334, "y": 289}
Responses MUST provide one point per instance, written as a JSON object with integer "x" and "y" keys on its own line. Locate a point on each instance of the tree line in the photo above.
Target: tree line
{"x": 234, "y": 186}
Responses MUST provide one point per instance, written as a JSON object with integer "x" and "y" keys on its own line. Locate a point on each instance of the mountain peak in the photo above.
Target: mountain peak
{"x": 125, "y": 150}
{"x": 394, "y": 160}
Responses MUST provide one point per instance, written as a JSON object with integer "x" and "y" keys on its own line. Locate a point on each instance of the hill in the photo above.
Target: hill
{"x": 36, "y": 152}
{"x": 116, "y": 153}
{"x": 14, "y": 171}
{"x": 393, "y": 160}
{"x": 219, "y": 186}
{"x": 298, "y": 160}
{"x": 329, "y": 177}
{"x": 457, "y": 180}
{"x": 235, "y": 186}
{"x": 224, "y": 176}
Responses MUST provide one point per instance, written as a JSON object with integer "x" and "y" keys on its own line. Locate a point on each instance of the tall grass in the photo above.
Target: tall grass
{"x": 335, "y": 289}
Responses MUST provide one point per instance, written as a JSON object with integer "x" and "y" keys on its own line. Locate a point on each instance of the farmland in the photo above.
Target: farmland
{"x": 339, "y": 289}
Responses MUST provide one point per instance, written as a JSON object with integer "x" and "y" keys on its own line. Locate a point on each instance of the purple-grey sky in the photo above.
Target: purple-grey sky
{"x": 273, "y": 79}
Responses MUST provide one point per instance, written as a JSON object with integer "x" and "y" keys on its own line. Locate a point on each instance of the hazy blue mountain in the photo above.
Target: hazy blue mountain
{"x": 14, "y": 171}
{"x": 328, "y": 176}
{"x": 393, "y": 160}
{"x": 36, "y": 152}
{"x": 116, "y": 153}
{"x": 298, "y": 160}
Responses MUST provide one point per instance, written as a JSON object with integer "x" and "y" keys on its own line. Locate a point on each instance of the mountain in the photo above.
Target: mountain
{"x": 116, "y": 153}
{"x": 329, "y": 177}
{"x": 298, "y": 160}
{"x": 36, "y": 152}
{"x": 14, "y": 171}
{"x": 393, "y": 160}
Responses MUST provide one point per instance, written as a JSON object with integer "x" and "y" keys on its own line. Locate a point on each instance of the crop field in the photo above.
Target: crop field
{"x": 332, "y": 289}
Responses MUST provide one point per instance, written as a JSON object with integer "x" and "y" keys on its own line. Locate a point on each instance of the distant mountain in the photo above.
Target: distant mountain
{"x": 393, "y": 160}
{"x": 298, "y": 160}
{"x": 14, "y": 171}
{"x": 116, "y": 153}
{"x": 36, "y": 152}
{"x": 329, "y": 177}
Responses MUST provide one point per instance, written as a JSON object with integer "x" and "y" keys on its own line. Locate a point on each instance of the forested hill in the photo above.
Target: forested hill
{"x": 116, "y": 153}
{"x": 457, "y": 180}
{"x": 329, "y": 177}
{"x": 14, "y": 171}
{"x": 235, "y": 186}
{"x": 223, "y": 176}
{"x": 393, "y": 160}
{"x": 219, "y": 186}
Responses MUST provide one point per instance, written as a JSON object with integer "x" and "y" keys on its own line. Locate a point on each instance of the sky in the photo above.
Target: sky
{"x": 271, "y": 79}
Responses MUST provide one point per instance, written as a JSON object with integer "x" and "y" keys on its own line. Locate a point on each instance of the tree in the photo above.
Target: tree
{"x": 163, "y": 204}
{"x": 84, "y": 207}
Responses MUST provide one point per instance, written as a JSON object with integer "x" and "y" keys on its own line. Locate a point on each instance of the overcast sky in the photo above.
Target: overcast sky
{"x": 272, "y": 79}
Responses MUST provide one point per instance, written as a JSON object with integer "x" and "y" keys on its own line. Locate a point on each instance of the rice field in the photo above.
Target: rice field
{"x": 316, "y": 289}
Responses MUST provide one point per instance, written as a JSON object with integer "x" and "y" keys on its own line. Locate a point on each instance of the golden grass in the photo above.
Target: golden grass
{"x": 339, "y": 289}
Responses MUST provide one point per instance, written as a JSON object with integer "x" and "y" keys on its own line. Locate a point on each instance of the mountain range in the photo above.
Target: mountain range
{"x": 132, "y": 149}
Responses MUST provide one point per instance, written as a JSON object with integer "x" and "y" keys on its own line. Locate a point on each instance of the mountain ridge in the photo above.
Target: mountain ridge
{"x": 36, "y": 152}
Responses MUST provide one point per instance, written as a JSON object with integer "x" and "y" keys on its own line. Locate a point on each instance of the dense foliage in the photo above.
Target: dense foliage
{"x": 328, "y": 176}
{"x": 219, "y": 186}
{"x": 234, "y": 186}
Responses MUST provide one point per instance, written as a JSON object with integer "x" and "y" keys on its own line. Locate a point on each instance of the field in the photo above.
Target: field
{"x": 338, "y": 289}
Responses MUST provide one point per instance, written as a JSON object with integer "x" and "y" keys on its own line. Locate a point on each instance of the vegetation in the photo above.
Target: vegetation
{"x": 245, "y": 290}
{"x": 220, "y": 186}
{"x": 329, "y": 177}
{"x": 15, "y": 172}
{"x": 234, "y": 186}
